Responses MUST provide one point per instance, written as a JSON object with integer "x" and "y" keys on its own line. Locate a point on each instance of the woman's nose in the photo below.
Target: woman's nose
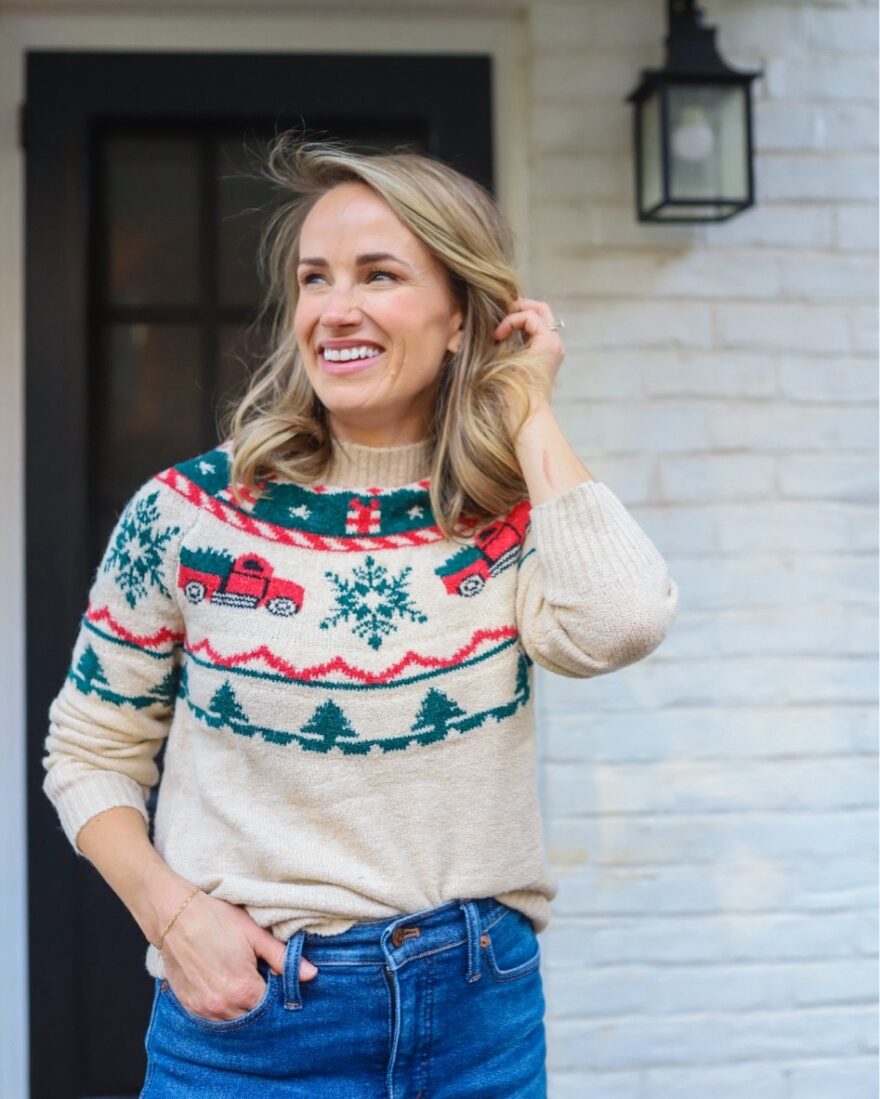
{"x": 340, "y": 307}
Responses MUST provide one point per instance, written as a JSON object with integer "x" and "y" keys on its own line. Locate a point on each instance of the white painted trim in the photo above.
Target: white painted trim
{"x": 502, "y": 36}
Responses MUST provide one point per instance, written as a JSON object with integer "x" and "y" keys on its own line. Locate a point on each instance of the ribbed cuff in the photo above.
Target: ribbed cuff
{"x": 586, "y": 536}
{"x": 89, "y": 795}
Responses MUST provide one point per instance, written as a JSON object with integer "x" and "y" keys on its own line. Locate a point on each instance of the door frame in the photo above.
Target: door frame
{"x": 57, "y": 217}
{"x": 502, "y": 35}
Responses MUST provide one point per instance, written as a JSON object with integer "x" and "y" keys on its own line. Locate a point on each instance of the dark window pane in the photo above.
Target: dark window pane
{"x": 150, "y": 411}
{"x": 242, "y": 352}
{"x": 153, "y": 219}
{"x": 392, "y": 141}
{"x": 244, "y": 203}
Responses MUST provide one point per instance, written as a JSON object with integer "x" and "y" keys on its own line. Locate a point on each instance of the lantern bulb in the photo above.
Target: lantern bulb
{"x": 693, "y": 138}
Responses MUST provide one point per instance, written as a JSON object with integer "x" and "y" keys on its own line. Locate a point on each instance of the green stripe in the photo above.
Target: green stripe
{"x": 130, "y": 644}
{"x": 524, "y": 558}
{"x": 328, "y": 511}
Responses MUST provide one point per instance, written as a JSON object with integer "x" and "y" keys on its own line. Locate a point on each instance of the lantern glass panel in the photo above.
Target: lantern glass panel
{"x": 704, "y": 211}
{"x": 707, "y": 143}
{"x": 650, "y": 152}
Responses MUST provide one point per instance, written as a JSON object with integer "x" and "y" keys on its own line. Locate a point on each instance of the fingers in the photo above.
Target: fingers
{"x": 273, "y": 951}
{"x": 269, "y": 949}
{"x": 527, "y": 314}
{"x": 527, "y": 321}
{"x": 539, "y": 306}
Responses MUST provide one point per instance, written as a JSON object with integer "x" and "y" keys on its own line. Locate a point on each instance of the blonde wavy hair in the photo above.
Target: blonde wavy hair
{"x": 279, "y": 427}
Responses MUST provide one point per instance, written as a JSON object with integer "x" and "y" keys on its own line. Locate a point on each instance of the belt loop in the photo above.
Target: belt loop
{"x": 472, "y": 919}
{"x": 292, "y": 956}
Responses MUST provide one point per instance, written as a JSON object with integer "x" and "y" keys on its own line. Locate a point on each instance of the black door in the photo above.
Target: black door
{"x": 141, "y": 292}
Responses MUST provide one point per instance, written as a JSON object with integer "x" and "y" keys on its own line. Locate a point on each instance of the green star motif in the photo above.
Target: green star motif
{"x": 371, "y": 600}
{"x": 137, "y": 550}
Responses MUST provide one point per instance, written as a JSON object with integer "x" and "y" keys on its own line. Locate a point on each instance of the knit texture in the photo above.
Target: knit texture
{"x": 346, "y": 694}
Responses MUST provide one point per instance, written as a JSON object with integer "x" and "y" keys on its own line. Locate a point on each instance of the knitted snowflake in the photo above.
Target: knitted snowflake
{"x": 372, "y": 599}
{"x": 136, "y": 551}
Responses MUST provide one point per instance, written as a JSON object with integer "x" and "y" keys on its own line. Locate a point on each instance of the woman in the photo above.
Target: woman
{"x": 333, "y": 618}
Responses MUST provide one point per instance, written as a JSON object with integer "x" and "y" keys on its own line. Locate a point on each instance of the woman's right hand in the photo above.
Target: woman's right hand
{"x": 210, "y": 956}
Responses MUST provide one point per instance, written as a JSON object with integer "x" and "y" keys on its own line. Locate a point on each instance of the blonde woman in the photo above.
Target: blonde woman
{"x": 333, "y": 618}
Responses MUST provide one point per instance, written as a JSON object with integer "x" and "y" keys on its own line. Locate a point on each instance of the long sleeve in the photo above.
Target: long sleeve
{"x": 593, "y": 592}
{"x": 107, "y": 723}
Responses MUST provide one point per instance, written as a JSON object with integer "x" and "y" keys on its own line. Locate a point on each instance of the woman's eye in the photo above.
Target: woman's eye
{"x": 308, "y": 279}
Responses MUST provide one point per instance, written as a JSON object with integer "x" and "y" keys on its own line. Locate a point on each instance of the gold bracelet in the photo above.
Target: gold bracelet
{"x": 161, "y": 941}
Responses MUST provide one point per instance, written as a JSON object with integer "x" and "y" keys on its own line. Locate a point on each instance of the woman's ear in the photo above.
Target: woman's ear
{"x": 455, "y": 340}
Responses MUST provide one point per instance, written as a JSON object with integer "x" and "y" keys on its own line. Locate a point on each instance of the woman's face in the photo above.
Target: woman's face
{"x": 369, "y": 287}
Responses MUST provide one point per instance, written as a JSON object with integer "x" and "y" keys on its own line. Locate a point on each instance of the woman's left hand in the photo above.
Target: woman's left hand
{"x": 533, "y": 319}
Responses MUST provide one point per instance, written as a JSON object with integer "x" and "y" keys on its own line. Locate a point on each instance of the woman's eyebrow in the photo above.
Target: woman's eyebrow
{"x": 367, "y": 257}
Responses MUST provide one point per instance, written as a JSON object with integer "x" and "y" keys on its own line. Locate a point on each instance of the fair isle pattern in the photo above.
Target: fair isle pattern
{"x": 89, "y": 677}
{"x": 315, "y": 778}
{"x": 330, "y": 729}
{"x": 371, "y": 599}
{"x": 410, "y": 669}
{"x": 291, "y": 536}
{"x": 153, "y": 644}
{"x": 482, "y": 644}
{"x": 247, "y": 582}
{"x": 136, "y": 554}
{"x": 363, "y": 518}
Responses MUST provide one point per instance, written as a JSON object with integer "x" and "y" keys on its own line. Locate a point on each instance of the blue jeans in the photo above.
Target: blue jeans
{"x": 446, "y": 1003}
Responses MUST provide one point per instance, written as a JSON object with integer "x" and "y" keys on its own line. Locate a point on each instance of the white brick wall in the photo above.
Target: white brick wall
{"x": 710, "y": 812}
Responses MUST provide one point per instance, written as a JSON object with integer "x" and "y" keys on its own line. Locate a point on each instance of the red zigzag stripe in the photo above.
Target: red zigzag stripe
{"x": 338, "y": 664}
{"x": 143, "y": 641}
{"x": 282, "y": 535}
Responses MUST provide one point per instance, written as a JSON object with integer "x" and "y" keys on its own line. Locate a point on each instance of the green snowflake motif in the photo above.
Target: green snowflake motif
{"x": 372, "y": 600}
{"x": 137, "y": 549}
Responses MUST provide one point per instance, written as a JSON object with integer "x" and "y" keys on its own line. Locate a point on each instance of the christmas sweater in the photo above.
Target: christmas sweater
{"x": 345, "y": 696}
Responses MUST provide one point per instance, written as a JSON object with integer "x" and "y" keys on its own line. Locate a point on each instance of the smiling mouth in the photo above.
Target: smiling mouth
{"x": 349, "y": 365}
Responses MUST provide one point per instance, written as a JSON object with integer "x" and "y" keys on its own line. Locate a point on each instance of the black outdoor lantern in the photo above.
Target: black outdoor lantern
{"x": 692, "y": 128}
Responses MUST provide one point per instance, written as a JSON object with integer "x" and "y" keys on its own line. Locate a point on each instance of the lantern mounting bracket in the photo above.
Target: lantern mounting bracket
{"x": 690, "y": 45}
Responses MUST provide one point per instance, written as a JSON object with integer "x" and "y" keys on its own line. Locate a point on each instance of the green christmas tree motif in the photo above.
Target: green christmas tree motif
{"x": 227, "y": 710}
{"x": 137, "y": 548}
{"x": 330, "y": 724}
{"x": 435, "y": 716}
{"x": 371, "y": 600}
{"x": 183, "y": 682}
{"x": 166, "y": 690}
{"x": 89, "y": 673}
{"x": 522, "y": 690}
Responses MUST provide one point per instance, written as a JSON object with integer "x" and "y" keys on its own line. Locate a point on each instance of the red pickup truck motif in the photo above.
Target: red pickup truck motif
{"x": 495, "y": 548}
{"x": 245, "y": 581}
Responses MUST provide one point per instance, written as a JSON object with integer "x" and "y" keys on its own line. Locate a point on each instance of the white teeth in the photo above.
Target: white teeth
{"x": 346, "y": 354}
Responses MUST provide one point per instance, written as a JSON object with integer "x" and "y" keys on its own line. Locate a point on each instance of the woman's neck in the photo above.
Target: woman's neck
{"x": 358, "y": 465}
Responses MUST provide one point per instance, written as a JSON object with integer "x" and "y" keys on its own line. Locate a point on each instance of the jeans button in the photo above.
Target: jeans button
{"x": 400, "y": 934}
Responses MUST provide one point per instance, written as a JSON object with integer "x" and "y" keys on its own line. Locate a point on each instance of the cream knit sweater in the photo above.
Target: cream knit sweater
{"x": 346, "y": 695}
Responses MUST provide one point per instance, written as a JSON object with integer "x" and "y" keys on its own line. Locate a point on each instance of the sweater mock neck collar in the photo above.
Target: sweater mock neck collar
{"x": 355, "y": 465}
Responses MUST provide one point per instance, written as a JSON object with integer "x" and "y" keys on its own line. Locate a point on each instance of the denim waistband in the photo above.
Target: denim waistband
{"x": 404, "y": 937}
{"x": 394, "y": 942}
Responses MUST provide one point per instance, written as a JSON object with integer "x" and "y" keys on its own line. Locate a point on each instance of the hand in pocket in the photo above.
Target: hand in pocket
{"x": 211, "y": 959}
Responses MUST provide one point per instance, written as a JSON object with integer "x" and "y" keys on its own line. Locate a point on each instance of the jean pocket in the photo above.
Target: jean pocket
{"x": 512, "y": 947}
{"x": 222, "y": 1025}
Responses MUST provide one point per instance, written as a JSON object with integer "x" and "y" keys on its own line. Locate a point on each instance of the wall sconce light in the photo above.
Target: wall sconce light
{"x": 692, "y": 128}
